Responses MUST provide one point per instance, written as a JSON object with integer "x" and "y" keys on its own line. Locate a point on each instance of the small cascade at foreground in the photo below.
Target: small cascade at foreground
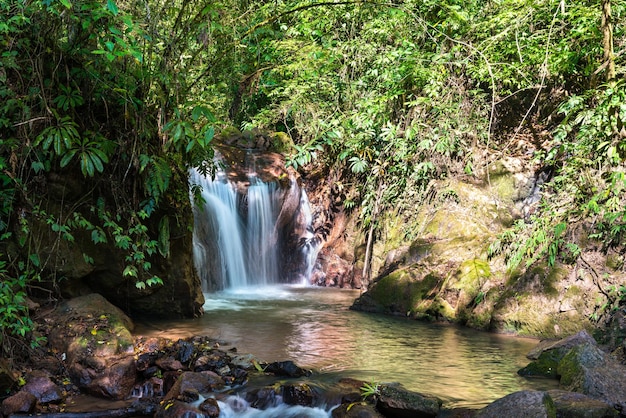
{"x": 242, "y": 235}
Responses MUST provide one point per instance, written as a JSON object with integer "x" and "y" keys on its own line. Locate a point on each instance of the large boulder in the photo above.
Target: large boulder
{"x": 523, "y": 404}
{"x": 577, "y": 405}
{"x": 94, "y": 338}
{"x": 396, "y": 402}
{"x": 548, "y": 354}
{"x": 589, "y": 370}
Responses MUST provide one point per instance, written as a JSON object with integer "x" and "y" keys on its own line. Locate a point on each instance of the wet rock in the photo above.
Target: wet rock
{"x": 298, "y": 394}
{"x": 562, "y": 345}
{"x": 170, "y": 379}
{"x": 169, "y": 364}
{"x": 245, "y": 361}
{"x": 396, "y": 402}
{"x": 145, "y": 361}
{"x": 107, "y": 378}
{"x": 263, "y": 398}
{"x": 210, "y": 408}
{"x": 548, "y": 353}
{"x": 186, "y": 350}
{"x": 43, "y": 388}
{"x": 213, "y": 360}
{"x": 577, "y": 405}
{"x": 177, "y": 409}
{"x": 286, "y": 368}
{"x": 524, "y": 404}
{"x": 589, "y": 370}
{"x": 190, "y": 385}
{"x": 151, "y": 388}
{"x": 356, "y": 410}
{"x": 22, "y": 401}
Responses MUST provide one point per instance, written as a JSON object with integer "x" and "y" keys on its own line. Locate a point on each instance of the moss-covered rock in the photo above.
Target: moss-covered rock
{"x": 449, "y": 239}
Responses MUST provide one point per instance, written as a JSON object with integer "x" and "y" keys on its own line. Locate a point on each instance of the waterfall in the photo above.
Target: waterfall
{"x": 262, "y": 240}
{"x": 217, "y": 217}
{"x": 237, "y": 240}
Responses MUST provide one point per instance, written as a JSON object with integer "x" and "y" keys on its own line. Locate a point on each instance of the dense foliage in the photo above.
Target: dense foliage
{"x": 128, "y": 95}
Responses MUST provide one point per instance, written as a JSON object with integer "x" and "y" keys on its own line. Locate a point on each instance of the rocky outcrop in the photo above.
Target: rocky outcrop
{"x": 93, "y": 337}
{"x": 449, "y": 268}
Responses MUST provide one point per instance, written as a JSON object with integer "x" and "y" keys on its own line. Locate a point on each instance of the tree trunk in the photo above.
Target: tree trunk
{"x": 607, "y": 40}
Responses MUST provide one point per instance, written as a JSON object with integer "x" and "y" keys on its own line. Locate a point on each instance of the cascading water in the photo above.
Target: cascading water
{"x": 218, "y": 218}
{"x": 262, "y": 239}
{"x": 237, "y": 240}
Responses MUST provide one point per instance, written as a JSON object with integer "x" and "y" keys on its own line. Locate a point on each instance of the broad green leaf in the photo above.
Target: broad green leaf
{"x": 112, "y": 7}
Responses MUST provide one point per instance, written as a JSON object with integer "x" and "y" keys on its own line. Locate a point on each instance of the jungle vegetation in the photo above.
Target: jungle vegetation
{"x": 126, "y": 95}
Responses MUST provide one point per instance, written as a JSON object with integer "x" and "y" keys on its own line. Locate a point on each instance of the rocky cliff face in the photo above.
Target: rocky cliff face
{"x": 73, "y": 264}
{"x": 433, "y": 263}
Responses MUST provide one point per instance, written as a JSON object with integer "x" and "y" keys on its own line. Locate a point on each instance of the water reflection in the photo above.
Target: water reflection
{"x": 314, "y": 327}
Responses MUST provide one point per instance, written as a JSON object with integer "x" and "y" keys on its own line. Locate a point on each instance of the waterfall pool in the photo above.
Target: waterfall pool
{"x": 314, "y": 327}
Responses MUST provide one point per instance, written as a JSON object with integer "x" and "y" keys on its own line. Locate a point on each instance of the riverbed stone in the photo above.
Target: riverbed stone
{"x": 578, "y": 405}
{"x": 589, "y": 370}
{"x": 356, "y": 410}
{"x": 210, "y": 408}
{"x": 286, "y": 368}
{"x": 548, "y": 353}
{"x": 173, "y": 408}
{"x": 397, "y": 402}
{"x": 190, "y": 385}
{"x": 523, "y": 404}
{"x": 22, "y": 401}
{"x": 298, "y": 394}
{"x": 561, "y": 346}
{"x": 44, "y": 389}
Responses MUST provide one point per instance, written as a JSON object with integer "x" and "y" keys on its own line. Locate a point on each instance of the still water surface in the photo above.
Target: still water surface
{"x": 314, "y": 327}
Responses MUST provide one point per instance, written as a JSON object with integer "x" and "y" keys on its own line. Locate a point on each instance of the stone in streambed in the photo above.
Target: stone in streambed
{"x": 298, "y": 394}
{"x": 22, "y": 401}
{"x": 523, "y": 404}
{"x": 190, "y": 385}
{"x": 286, "y": 368}
{"x": 95, "y": 337}
{"x": 577, "y": 405}
{"x": 356, "y": 410}
{"x": 43, "y": 388}
{"x": 397, "y": 402}
{"x": 589, "y": 370}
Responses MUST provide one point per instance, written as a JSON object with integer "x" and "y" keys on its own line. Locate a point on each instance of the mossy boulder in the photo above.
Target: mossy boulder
{"x": 450, "y": 238}
{"x": 404, "y": 292}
